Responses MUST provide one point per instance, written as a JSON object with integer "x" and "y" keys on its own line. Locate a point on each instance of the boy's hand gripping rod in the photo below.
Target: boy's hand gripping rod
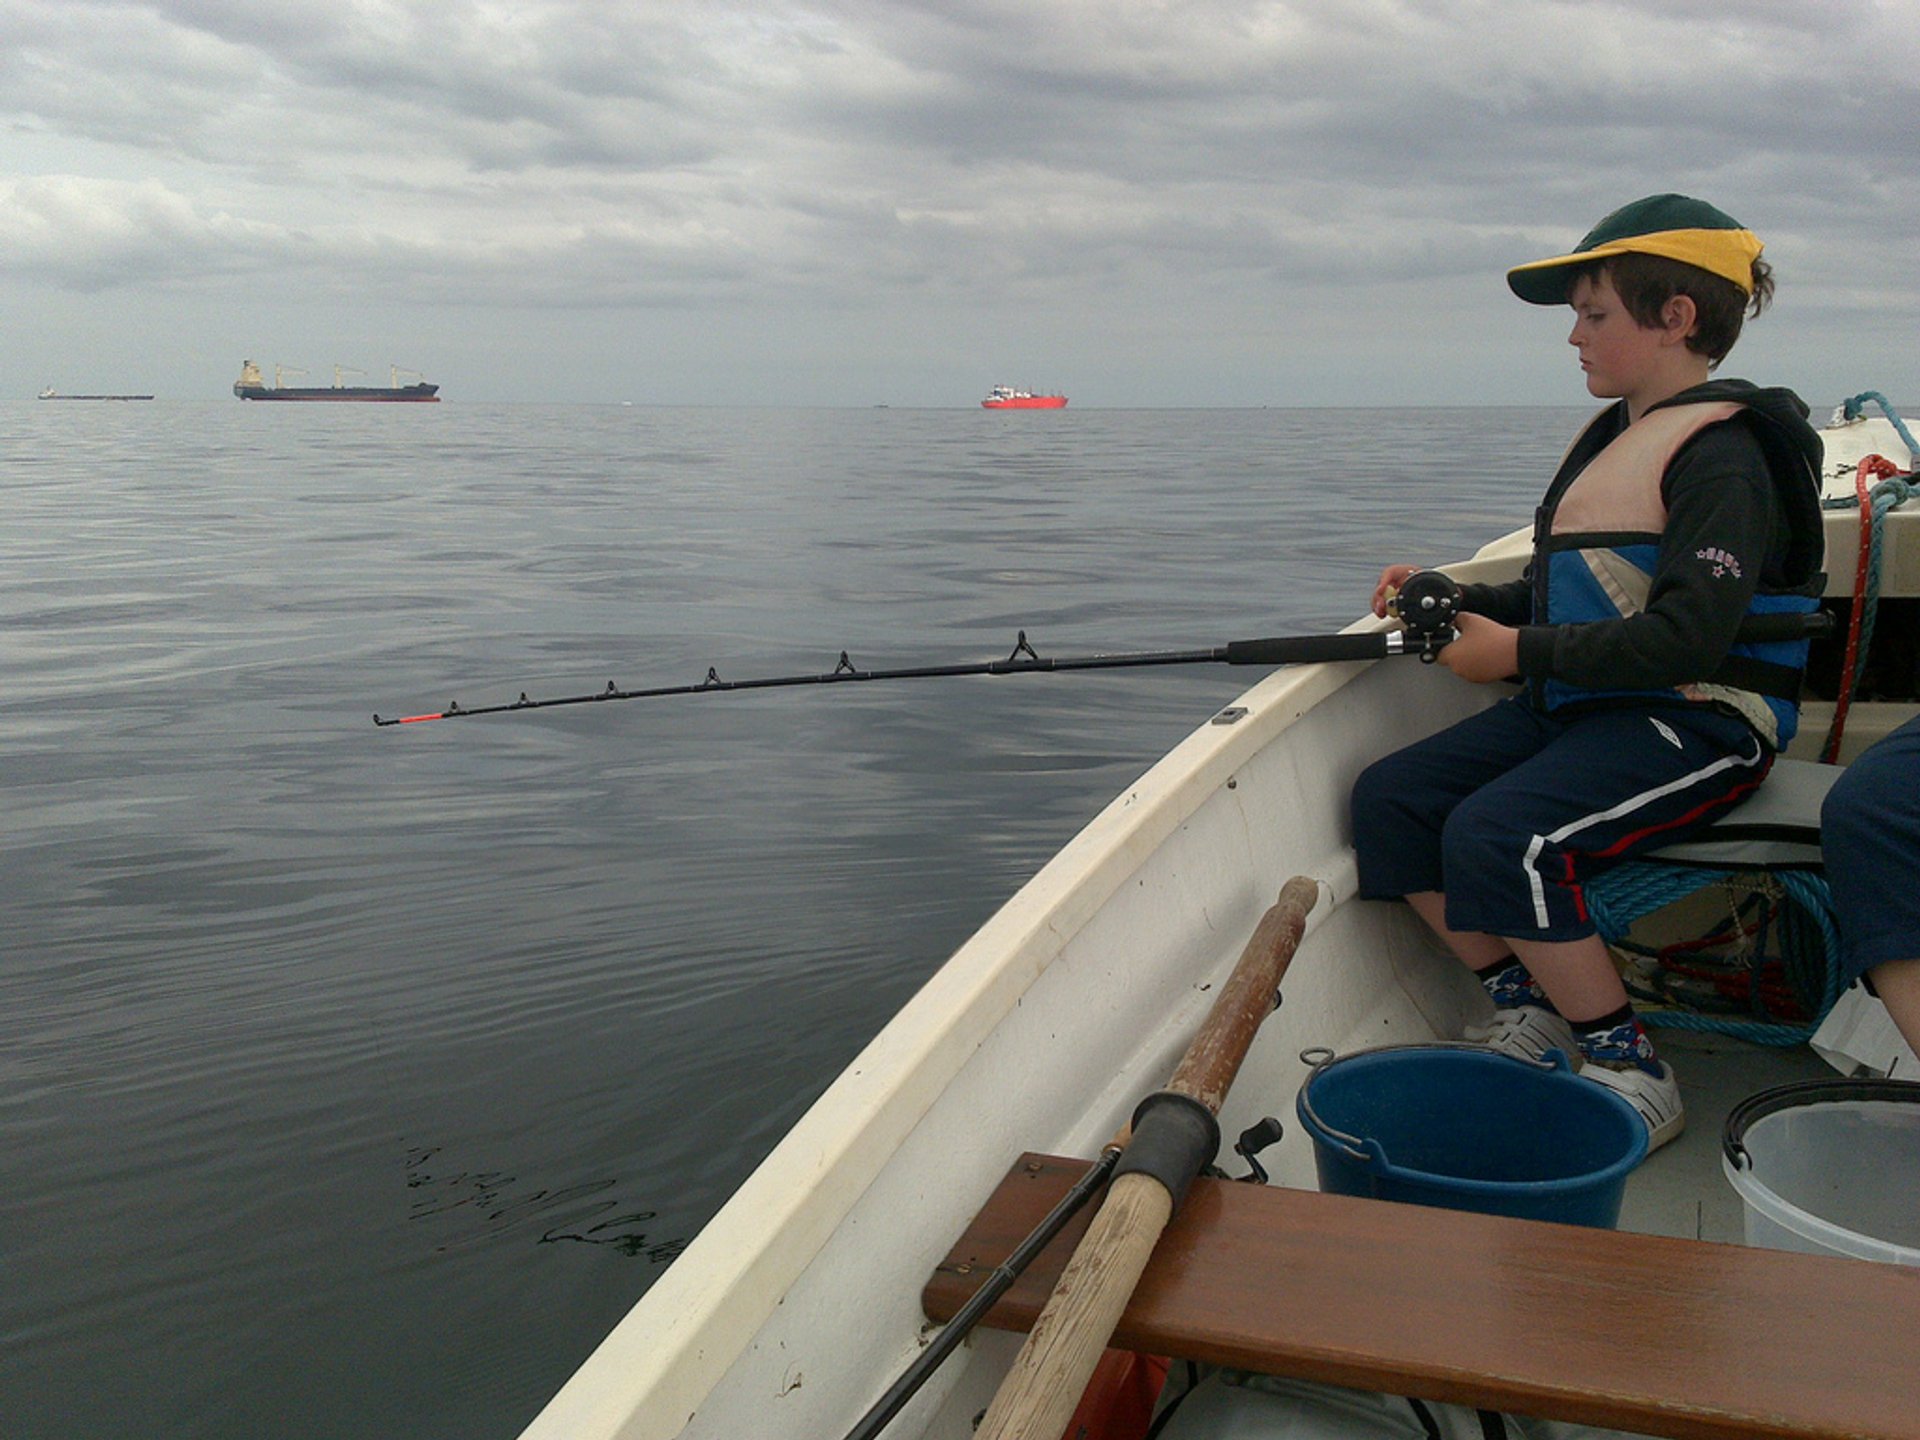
{"x": 1425, "y": 606}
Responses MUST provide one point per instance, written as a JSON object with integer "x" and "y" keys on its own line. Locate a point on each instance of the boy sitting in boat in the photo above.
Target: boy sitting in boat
{"x": 1680, "y": 510}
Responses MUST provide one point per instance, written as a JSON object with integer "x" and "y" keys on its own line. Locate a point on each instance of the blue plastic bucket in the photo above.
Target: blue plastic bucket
{"x": 1471, "y": 1129}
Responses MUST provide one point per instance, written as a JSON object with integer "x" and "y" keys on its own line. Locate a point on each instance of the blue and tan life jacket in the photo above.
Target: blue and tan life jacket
{"x": 1597, "y": 540}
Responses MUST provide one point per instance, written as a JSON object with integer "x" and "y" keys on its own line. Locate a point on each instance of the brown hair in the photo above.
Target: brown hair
{"x": 1645, "y": 283}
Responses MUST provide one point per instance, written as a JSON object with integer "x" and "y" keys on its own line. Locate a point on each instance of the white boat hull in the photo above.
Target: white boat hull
{"x": 799, "y": 1302}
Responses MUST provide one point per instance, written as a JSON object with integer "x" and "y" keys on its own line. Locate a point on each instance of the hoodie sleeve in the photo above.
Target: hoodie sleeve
{"x": 1510, "y": 603}
{"x": 1719, "y": 532}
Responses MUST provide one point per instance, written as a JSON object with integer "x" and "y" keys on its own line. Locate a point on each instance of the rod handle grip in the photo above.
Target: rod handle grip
{"x": 1308, "y": 649}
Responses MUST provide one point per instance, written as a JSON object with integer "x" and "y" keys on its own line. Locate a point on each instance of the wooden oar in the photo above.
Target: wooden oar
{"x": 1038, "y": 1396}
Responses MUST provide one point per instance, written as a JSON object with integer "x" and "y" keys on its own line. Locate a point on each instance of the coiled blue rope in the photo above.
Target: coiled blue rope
{"x": 1627, "y": 892}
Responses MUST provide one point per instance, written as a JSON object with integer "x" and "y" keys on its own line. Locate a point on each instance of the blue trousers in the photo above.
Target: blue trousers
{"x": 1870, "y": 837}
{"x": 1510, "y": 811}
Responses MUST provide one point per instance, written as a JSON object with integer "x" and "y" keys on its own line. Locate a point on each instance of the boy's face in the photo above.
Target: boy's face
{"x": 1620, "y": 356}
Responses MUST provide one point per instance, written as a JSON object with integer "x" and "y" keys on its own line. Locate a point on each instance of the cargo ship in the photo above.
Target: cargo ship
{"x": 253, "y": 386}
{"x": 1005, "y": 397}
{"x": 52, "y": 394}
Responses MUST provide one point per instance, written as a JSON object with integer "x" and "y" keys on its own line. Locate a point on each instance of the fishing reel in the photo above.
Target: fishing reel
{"x": 1426, "y": 604}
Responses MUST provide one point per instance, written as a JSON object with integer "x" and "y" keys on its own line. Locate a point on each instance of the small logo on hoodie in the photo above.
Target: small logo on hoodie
{"x": 1723, "y": 563}
{"x": 1666, "y": 733}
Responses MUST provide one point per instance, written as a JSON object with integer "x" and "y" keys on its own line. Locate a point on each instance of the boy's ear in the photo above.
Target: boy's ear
{"x": 1679, "y": 317}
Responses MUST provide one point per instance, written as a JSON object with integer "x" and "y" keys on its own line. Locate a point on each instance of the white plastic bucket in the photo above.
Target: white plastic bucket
{"x": 1830, "y": 1167}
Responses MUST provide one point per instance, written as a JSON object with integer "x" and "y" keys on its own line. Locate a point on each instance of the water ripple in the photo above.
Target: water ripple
{"x": 357, "y": 1080}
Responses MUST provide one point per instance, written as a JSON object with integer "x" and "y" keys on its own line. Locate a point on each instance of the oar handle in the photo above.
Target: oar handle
{"x": 1039, "y": 1395}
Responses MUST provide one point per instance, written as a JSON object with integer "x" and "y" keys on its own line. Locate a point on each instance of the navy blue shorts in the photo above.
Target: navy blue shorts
{"x": 1512, "y": 810}
{"x": 1870, "y": 836}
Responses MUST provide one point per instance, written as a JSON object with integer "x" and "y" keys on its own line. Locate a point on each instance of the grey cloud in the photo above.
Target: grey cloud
{"x": 855, "y": 154}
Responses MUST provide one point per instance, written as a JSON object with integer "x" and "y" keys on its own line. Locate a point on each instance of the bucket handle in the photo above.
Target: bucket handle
{"x": 1733, "y": 1134}
{"x": 1319, "y": 1057}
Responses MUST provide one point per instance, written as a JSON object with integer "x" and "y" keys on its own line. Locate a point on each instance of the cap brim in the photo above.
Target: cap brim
{"x": 1543, "y": 283}
{"x": 1727, "y": 253}
{"x": 1546, "y": 282}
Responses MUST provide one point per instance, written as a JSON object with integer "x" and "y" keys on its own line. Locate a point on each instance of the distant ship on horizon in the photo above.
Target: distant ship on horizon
{"x": 253, "y": 386}
{"x": 1005, "y": 397}
{"x": 52, "y": 394}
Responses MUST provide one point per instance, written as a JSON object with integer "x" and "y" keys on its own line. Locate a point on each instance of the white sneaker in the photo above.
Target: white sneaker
{"x": 1527, "y": 1031}
{"x": 1656, "y": 1097}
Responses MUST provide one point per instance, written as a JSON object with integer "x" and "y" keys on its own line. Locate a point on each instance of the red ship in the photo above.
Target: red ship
{"x": 1005, "y": 397}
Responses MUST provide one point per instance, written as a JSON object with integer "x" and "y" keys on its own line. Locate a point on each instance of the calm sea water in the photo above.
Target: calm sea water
{"x": 355, "y": 1081}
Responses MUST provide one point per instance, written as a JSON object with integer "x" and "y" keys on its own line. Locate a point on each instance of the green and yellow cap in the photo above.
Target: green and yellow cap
{"x": 1676, "y": 226}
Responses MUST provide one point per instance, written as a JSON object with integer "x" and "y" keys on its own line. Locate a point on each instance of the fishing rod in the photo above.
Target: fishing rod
{"x": 1426, "y": 605}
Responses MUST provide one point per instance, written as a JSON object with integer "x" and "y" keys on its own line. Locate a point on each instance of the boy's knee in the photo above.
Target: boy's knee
{"x": 1385, "y": 807}
{"x": 1396, "y": 783}
{"x": 1481, "y": 832}
{"x": 1373, "y": 791}
{"x": 1370, "y": 813}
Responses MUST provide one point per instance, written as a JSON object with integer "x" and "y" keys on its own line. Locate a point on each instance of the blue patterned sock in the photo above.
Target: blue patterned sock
{"x": 1618, "y": 1043}
{"x": 1510, "y": 985}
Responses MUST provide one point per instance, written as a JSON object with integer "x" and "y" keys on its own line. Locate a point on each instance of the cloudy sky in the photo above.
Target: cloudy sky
{"x": 850, "y": 202}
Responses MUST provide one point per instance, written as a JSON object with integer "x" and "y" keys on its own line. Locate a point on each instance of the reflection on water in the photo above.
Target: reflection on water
{"x": 486, "y": 1203}
{"x": 356, "y": 1081}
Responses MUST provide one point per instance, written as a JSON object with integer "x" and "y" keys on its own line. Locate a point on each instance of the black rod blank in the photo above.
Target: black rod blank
{"x": 1426, "y": 604}
{"x": 1296, "y": 650}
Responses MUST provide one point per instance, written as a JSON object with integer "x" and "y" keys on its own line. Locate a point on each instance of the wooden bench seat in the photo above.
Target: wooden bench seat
{"x": 1636, "y": 1332}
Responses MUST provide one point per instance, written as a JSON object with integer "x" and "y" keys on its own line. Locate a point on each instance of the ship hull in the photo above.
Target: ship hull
{"x": 341, "y": 393}
{"x": 1027, "y": 402}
